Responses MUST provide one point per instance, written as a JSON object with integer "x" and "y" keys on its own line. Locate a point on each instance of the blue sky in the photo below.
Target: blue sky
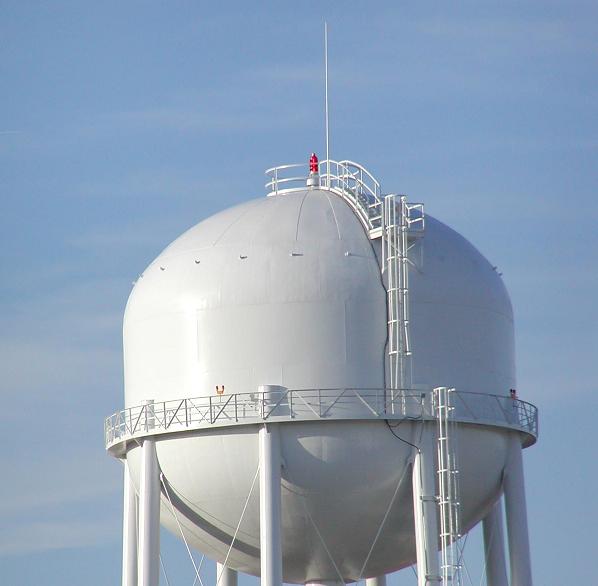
{"x": 124, "y": 123}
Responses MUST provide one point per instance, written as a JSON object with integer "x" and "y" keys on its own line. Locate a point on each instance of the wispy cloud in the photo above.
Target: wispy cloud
{"x": 50, "y": 478}
{"x": 39, "y": 536}
{"x": 500, "y": 33}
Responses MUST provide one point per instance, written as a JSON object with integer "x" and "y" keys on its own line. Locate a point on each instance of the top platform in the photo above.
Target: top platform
{"x": 350, "y": 180}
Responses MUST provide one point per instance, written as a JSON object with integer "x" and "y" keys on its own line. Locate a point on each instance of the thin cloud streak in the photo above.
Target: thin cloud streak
{"x": 39, "y": 536}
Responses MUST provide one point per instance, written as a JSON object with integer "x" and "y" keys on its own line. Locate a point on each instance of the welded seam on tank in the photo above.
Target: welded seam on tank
{"x": 478, "y": 307}
{"x": 299, "y": 216}
{"x": 204, "y": 524}
{"x": 338, "y": 230}
{"x": 237, "y": 219}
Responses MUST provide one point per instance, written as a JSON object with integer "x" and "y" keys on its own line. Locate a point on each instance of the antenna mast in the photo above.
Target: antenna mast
{"x": 326, "y": 99}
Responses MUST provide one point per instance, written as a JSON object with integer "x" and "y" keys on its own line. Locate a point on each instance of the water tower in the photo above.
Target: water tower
{"x": 320, "y": 388}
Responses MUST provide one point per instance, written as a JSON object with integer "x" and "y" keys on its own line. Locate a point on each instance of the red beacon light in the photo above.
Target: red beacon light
{"x": 313, "y": 164}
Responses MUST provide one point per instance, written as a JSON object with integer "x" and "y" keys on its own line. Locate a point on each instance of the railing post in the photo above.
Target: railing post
{"x": 149, "y": 412}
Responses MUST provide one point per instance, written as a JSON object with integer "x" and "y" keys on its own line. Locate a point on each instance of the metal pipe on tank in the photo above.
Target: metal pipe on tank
{"x": 129, "y": 566}
{"x": 494, "y": 547}
{"x": 149, "y": 516}
{"x": 270, "y": 534}
{"x": 516, "y": 514}
{"x": 225, "y": 576}
{"x": 425, "y": 510}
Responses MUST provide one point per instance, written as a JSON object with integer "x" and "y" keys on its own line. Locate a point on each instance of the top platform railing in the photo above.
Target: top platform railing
{"x": 154, "y": 418}
{"x": 350, "y": 180}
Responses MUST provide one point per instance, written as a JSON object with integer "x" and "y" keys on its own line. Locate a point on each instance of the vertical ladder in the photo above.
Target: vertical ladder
{"x": 448, "y": 489}
{"x": 400, "y": 218}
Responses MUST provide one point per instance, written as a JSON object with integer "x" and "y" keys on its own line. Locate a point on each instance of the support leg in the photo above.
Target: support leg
{"x": 494, "y": 547}
{"x": 425, "y": 511}
{"x": 149, "y": 516}
{"x": 270, "y": 538}
{"x": 225, "y": 576}
{"x": 129, "y": 577}
{"x": 516, "y": 513}
{"x": 377, "y": 581}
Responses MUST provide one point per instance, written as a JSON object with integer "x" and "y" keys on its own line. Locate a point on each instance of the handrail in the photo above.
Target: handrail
{"x": 346, "y": 178}
{"x": 314, "y": 404}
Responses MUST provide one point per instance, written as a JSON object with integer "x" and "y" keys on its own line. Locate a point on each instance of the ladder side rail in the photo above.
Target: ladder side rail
{"x": 448, "y": 488}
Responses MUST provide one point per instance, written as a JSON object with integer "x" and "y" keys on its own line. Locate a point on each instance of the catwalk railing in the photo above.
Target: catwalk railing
{"x": 160, "y": 417}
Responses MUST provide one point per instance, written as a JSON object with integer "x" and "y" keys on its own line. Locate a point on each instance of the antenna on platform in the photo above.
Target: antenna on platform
{"x": 326, "y": 99}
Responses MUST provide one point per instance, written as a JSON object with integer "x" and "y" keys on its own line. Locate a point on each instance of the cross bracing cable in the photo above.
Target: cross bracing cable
{"x": 181, "y": 529}
{"x": 164, "y": 570}
{"x": 320, "y": 537}
{"x": 381, "y": 526}
{"x": 203, "y": 557}
{"x": 239, "y": 523}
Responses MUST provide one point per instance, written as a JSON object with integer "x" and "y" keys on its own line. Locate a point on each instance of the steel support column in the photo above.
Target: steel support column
{"x": 377, "y": 581}
{"x": 494, "y": 547}
{"x": 129, "y": 567}
{"x": 149, "y": 516}
{"x": 425, "y": 510}
{"x": 270, "y": 537}
{"x": 225, "y": 576}
{"x": 516, "y": 513}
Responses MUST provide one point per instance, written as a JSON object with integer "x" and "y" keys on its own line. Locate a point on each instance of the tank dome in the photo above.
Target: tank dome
{"x": 281, "y": 290}
{"x": 287, "y": 290}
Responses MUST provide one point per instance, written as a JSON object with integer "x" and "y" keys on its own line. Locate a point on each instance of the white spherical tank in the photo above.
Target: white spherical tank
{"x": 287, "y": 290}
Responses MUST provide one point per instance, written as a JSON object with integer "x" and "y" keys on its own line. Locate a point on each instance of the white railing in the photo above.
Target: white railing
{"x": 350, "y": 180}
{"x": 313, "y": 404}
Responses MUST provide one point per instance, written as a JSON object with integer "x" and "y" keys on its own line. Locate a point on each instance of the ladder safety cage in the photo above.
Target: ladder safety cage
{"x": 402, "y": 220}
{"x": 448, "y": 488}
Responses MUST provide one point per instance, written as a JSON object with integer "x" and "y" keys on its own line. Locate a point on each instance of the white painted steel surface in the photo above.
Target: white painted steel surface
{"x": 225, "y": 576}
{"x": 425, "y": 509}
{"x": 516, "y": 515}
{"x": 149, "y": 516}
{"x": 377, "y": 581}
{"x": 270, "y": 505}
{"x": 287, "y": 291}
{"x": 494, "y": 547}
{"x": 130, "y": 504}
